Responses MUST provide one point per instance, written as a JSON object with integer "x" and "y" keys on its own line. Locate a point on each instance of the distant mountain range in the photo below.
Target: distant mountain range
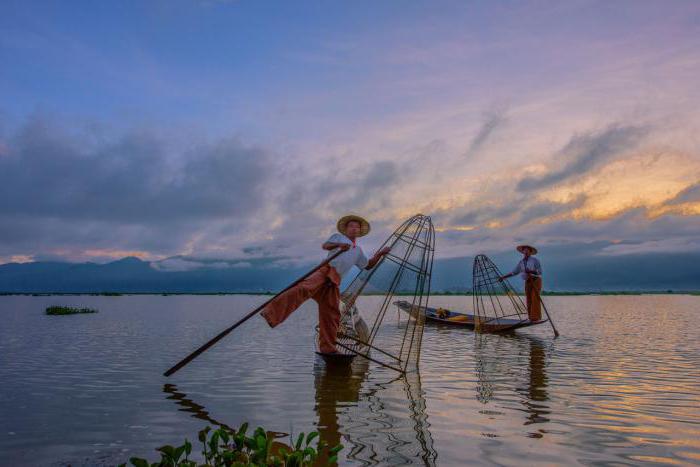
{"x": 563, "y": 271}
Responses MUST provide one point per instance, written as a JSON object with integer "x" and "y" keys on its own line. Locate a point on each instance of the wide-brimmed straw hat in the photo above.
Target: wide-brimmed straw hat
{"x": 533, "y": 250}
{"x": 343, "y": 222}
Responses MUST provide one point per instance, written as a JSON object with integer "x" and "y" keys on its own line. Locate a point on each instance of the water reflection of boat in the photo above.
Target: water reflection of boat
{"x": 384, "y": 423}
{"x": 498, "y": 363}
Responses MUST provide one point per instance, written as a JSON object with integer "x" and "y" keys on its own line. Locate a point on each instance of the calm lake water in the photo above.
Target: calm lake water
{"x": 620, "y": 386}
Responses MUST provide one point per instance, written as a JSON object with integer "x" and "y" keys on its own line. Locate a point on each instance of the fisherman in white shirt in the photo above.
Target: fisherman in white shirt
{"x": 530, "y": 271}
{"x": 354, "y": 254}
{"x": 324, "y": 285}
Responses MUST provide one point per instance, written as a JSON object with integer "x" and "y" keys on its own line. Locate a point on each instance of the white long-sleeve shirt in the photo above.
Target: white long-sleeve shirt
{"x": 530, "y": 264}
{"x": 355, "y": 256}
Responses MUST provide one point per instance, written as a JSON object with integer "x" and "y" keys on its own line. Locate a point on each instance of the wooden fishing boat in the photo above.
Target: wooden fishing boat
{"x": 444, "y": 316}
{"x": 439, "y": 315}
{"x": 507, "y": 324}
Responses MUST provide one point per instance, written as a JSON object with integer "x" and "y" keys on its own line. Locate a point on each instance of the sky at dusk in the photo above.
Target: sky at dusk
{"x": 242, "y": 130}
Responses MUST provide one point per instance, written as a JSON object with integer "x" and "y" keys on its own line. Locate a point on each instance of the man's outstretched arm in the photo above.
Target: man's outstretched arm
{"x": 377, "y": 256}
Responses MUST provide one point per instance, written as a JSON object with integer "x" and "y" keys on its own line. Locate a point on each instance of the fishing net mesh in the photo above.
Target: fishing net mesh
{"x": 405, "y": 271}
{"x": 496, "y": 304}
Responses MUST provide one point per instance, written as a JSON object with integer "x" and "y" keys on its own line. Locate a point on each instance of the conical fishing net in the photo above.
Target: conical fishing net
{"x": 405, "y": 271}
{"x": 497, "y": 307}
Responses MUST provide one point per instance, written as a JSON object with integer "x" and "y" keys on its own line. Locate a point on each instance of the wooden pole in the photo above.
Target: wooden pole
{"x": 226, "y": 331}
{"x": 370, "y": 358}
{"x": 549, "y": 318}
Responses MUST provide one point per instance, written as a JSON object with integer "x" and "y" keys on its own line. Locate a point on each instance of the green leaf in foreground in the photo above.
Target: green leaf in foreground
{"x": 223, "y": 448}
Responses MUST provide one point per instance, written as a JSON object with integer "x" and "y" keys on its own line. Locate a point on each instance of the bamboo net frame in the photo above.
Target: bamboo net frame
{"x": 497, "y": 306}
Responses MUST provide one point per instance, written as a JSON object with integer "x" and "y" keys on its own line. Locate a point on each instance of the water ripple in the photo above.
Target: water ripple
{"x": 620, "y": 387}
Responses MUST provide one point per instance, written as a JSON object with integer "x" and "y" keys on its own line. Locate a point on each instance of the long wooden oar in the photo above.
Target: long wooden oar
{"x": 225, "y": 332}
{"x": 549, "y": 318}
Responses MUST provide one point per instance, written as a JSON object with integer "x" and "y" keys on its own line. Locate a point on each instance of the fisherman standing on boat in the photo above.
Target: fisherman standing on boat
{"x": 324, "y": 285}
{"x": 530, "y": 270}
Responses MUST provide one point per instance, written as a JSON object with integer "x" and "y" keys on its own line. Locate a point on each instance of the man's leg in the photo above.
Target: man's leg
{"x": 528, "y": 297}
{"x": 328, "y": 299}
{"x": 537, "y": 306}
{"x": 533, "y": 287}
{"x": 281, "y": 307}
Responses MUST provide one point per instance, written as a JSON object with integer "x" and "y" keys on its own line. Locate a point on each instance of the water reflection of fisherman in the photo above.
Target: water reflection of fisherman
{"x": 530, "y": 271}
{"x": 489, "y": 365}
{"x": 378, "y": 427}
{"x": 536, "y": 391}
{"x": 336, "y": 386}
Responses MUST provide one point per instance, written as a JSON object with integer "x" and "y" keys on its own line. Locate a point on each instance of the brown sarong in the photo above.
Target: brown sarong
{"x": 322, "y": 286}
{"x": 533, "y": 287}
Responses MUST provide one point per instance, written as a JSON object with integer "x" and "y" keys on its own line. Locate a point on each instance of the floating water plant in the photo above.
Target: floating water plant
{"x": 68, "y": 310}
{"x": 234, "y": 447}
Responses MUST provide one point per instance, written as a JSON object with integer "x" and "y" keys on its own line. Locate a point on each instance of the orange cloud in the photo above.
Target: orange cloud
{"x": 457, "y": 228}
{"x": 642, "y": 181}
{"x": 17, "y": 259}
{"x": 684, "y": 209}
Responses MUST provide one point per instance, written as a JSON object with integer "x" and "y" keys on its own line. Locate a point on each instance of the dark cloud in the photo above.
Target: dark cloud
{"x": 310, "y": 202}
{"x": 132, "y": 179}
{"x": 186, "y": 263}
{"x": 39, "y": 235}
{"x": 585, "y": 152}
{"x": 340, "y": 190}
{"x": 492, "y": 121}
{"x": 483, "y": 214}
{"x": 255, "y": 250}
{"x": 526, "y": 211}
{"x": 59, "y": 190}
{"x": 539, "y": 210}
{"x": 632, "y": 226}
{"x": 630, "y": 232}
{"x": 378, "y": 175}
{"x": 62, "y": 193}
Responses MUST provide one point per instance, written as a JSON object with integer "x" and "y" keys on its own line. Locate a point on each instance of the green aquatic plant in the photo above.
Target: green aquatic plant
{"x": 67, "y": 310}
{"x": 224, "y": 447}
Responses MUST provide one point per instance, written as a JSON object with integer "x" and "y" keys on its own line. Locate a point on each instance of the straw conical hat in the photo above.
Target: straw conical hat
{"x": 533, "y": 250}
{"x": 343, "y": 222}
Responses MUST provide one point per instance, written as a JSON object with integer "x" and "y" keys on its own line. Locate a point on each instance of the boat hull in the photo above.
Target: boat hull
{"x": 453, "y": 318}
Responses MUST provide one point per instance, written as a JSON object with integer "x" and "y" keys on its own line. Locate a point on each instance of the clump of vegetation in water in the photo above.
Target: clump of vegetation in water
{"x": 223, "y": 447}
{"x": 68, "y": 310}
